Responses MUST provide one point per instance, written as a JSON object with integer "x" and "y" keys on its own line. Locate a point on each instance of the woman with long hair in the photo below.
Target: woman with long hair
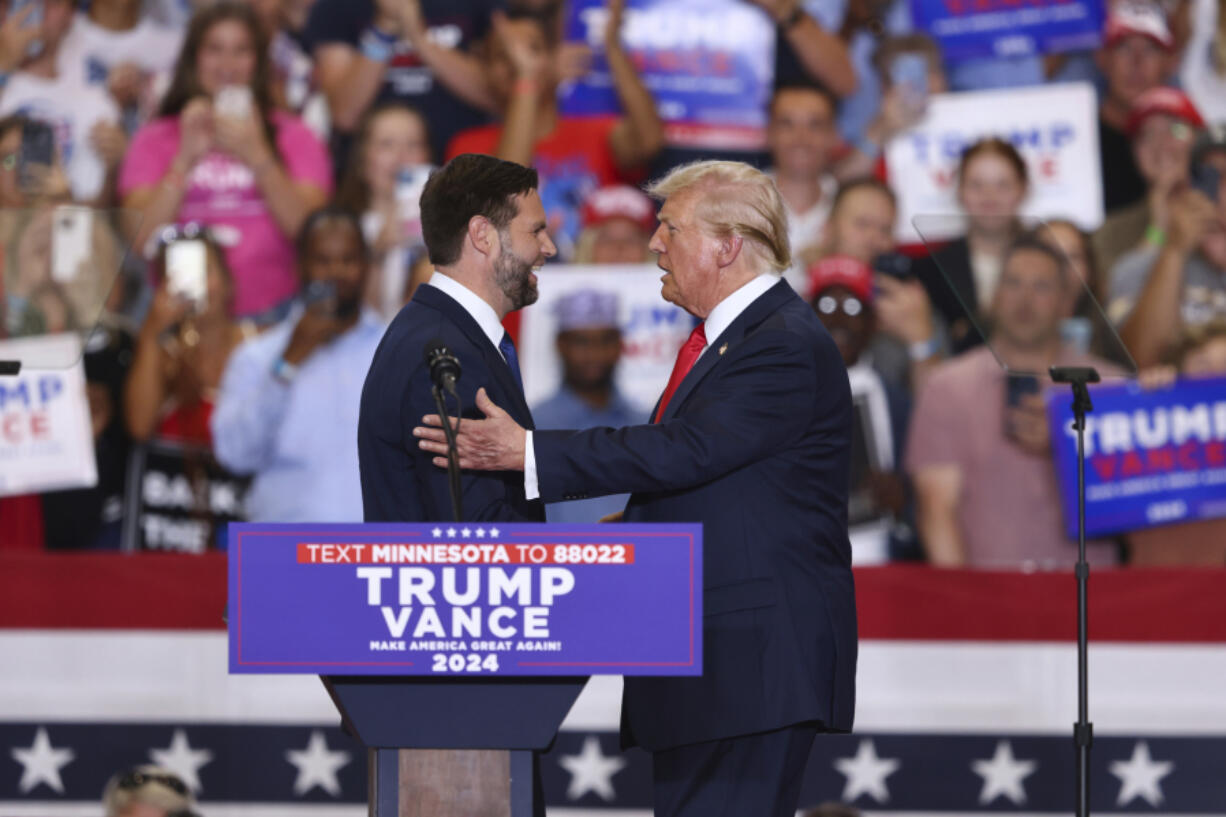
{"x": 182, "y": 350}
{"x": 382, "y": 184}
{"x": 220, "y": 154}
{"x": 961, "y": 276}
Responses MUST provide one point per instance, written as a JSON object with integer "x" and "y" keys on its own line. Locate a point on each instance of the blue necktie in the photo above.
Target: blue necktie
{"x": 508, "y": 351}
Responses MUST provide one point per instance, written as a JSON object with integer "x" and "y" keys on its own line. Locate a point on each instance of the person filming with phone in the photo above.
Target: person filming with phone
{"x": 978, "y": 450}
{"x": 184, "y": 343}
{"x": 220, "y": 154}
{"x": 287, "y": 411}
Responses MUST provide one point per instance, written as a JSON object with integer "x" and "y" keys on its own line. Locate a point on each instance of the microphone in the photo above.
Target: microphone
{"x": 444, "y": 366}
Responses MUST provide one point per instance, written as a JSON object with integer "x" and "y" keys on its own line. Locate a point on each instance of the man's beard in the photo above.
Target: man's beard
{"x": 513, "y": 276}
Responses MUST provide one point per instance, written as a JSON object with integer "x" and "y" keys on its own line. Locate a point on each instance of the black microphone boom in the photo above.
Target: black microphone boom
{"x": 444, "y": 366}
{"x": 444, "y": 372}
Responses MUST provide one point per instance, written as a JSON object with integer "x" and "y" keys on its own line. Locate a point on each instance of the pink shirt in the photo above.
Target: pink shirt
{"x": 222, "y": 193}
{"x": 1009, "y": 511}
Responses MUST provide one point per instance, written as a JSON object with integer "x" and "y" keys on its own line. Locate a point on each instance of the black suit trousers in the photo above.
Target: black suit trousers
{"x": 748, "y": 776}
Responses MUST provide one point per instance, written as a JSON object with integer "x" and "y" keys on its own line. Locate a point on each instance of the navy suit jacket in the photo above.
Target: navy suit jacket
{"x": 755, "y": 445}
{"x": 399, "y": 481}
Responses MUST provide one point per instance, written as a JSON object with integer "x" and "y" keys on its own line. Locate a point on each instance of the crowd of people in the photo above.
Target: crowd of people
{"x": 255, "y": 170}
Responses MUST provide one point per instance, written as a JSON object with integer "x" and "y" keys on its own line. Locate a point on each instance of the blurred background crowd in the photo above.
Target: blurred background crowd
{"x": 229, "y": 191}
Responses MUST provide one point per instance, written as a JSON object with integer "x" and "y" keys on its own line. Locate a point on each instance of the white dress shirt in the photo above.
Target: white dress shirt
{"x": 720, "y": 318}
{"x": 487, "y": 319}
{"x": 473, "y": 304}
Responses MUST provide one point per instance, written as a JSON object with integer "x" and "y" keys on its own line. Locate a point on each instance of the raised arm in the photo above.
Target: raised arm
{"x": 822, "y": 54}
{"x": 1154, "y": 322}
{"x": 639, "y": 134}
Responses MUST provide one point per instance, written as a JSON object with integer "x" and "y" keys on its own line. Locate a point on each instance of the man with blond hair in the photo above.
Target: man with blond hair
{"x": 751, "y": 438}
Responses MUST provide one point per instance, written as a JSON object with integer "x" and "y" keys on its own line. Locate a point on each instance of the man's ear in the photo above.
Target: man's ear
{"x": 482, "y": 235}
{"x": 730, "y": 247}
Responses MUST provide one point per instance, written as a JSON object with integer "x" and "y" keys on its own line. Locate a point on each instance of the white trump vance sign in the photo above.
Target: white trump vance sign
{"x": 46, "y": 440}
{"x": 1054, "y": 127}
{"x": 652, "y": 330}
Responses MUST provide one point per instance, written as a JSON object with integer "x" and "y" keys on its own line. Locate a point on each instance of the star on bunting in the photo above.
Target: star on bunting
{"x": 41, "y": 763}
{"x": 866, "y": 773}
{"x": 1003, "y": 775}
{"x": 591, "y": 770}
{"x": 317, "y": 765}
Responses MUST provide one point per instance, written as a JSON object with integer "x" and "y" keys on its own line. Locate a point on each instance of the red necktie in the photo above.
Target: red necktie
{"x": 686, "y": 356}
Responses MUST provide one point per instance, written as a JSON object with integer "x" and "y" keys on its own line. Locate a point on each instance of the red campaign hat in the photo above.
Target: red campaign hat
{"x": 842, "y": 270}
{"x": 1167, "y": 101}
{"x": 619, "y": 201}
{"x": 1128, "y": 17}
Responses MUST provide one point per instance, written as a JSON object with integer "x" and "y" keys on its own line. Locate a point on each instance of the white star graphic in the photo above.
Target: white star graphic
{"x": 591, "y": 770}
{"x": 41, "y": 763}
{"x": 866, "y": 773}
{"x": 451, "y": 531}
{"x": 480, "y": 533}
{"x": 317, "y": 766}
{"x": 466, "y": 532}
{"x": 1003, "y": 775}
{"x": 182, "y": 759}
{"x": 1140, "y": 776}
{"x": 494, "y": 532}
{"x": 437, "y": 532}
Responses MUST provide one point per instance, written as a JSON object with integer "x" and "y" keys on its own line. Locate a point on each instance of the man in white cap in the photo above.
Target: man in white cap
{"x": 1137, "y": 55}
{"x": 589, "y": 343}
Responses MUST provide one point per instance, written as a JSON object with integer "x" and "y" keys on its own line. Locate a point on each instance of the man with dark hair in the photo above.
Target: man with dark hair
{"x": 484, "y": 228}
{"x": 288, "y": 403}
{"x": 801, "y": 134}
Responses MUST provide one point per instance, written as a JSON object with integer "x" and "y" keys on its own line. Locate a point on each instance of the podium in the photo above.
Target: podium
{"x": 462, "y": 646}
{"x": 472, "y": 736}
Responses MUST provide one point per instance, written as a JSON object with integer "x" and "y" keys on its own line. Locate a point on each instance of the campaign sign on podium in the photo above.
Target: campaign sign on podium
{"x": 466, "y": 599}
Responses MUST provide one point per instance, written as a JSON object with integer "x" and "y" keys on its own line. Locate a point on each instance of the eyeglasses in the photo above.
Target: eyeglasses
{"x": 134, "y": 779}
{"x": 828, "y": 305}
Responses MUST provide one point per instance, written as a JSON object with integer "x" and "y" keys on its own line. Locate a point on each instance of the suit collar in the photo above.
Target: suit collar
{"x": 481, "y": 312}
{"x": 436, "y": 298}
{"x": 717, "y": 347}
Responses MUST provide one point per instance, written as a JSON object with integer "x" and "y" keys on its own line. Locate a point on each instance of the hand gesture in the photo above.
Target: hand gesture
{"x": 613, "y": 23}
{"x": 243, "y": 138}
{"x": 317, "y": 327}
{"x": 110, "y": 141}
{"x": 389, "y": 16}
{"x": 126, "y": 84}
{"x": 779, "y": 10}
{"x": 16, "y": 34}
{"x": 195, "y": 131}
{"x": 528, "y": 62}
{"x": 1192, "y": 215}
{"x": 903, "y": 309}
{"x": 574, "y": 60}
{"x": 899, "y": 111}
{"x": 1027, "y": 425}
{"x": 165, "y": 311}
{"x": 493, "y": 444}
{"x": 46, "y": 183}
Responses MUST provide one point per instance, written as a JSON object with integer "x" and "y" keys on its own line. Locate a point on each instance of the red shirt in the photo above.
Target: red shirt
{"x": 573, "y": 161}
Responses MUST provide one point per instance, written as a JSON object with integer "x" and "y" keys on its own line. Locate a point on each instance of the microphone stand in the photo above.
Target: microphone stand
{"x": 1083, "y": 730}
{"x": 454, "y": 484}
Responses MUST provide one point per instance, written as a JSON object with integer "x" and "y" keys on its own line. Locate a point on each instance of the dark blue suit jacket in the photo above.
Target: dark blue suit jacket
{"x": 755, "y": 445}
{"x": 399, "y": 481}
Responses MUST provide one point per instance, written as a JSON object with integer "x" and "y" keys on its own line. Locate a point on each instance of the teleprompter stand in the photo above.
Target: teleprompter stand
{"x": 1083, "y": 731}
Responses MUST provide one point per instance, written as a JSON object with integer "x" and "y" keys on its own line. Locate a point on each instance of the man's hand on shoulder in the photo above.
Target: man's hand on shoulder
{"x": 494, "y": 444}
